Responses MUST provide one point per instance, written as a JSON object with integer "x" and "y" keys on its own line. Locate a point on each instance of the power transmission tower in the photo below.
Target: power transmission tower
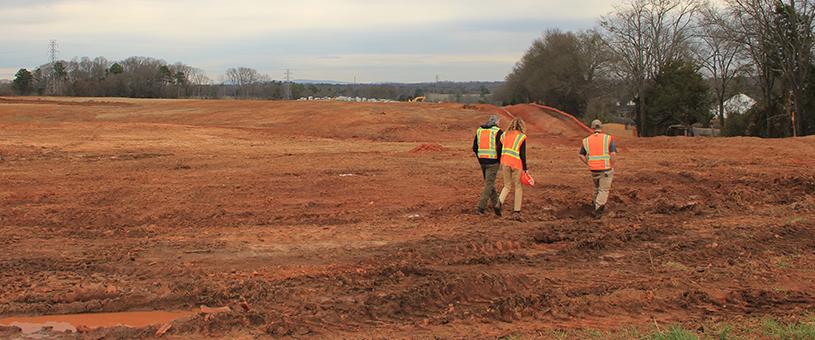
{"x": 51, "y": 83}
{"x": 287, "y": 86}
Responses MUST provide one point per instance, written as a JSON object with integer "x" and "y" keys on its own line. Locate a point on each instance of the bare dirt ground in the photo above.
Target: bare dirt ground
{"x": 314, "y": 220}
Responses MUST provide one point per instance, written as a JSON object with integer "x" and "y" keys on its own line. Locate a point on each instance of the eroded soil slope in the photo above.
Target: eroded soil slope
{"x": 356, "y": 220}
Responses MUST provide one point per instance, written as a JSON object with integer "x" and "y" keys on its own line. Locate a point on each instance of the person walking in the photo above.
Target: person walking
{"x": 487, "y": 147}
{"x": 513, "y": 162}
{"x": 599, "y": 153}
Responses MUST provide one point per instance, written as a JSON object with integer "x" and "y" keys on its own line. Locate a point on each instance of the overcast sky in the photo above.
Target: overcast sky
{"x": 365, "y": 41}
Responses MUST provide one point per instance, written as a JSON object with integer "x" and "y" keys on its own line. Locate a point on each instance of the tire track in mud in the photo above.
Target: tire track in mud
{"x": 438, "y": 294}
{"x": 441, "y": 280}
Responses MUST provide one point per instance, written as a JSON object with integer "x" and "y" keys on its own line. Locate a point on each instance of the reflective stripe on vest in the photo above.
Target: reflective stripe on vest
{"x": 511, "y": 152}
{"x": 597, "y": 153}
{"x": 486, "y": 142}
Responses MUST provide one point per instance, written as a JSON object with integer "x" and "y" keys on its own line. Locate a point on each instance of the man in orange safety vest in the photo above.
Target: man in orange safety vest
{"x": 599, "y": 153}
{"x": 487, "y": 148}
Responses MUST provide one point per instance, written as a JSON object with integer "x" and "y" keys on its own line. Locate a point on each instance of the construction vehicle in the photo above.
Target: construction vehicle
{"x": 418, "y": 100}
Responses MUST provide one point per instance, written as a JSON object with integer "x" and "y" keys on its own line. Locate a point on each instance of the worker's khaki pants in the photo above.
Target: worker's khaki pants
{"x": 512, "y": 177}
{"x": 602, "y": 184}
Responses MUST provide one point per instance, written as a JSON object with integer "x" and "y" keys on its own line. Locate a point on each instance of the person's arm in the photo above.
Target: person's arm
{"x": 523, "y": 154}
{"x": 613, "y": 159}
{"x": 475, "y": 145}
{"x": 498, "y": 145}
{"x": 612, "y": 150}
{"x": 582, "y": 155}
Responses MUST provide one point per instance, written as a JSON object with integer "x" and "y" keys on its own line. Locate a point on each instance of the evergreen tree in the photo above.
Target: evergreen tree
{"x": 679, "y": 95}
{"x": 23, "y": 82}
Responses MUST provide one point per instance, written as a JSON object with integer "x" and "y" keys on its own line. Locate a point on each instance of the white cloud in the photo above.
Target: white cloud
{"x": 207, "y": 19}
{"x": 215, "y": 35}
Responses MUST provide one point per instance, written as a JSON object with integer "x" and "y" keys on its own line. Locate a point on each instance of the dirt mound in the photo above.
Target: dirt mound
{"x": 326, "y": 220}
{"x": 547, "y": 123}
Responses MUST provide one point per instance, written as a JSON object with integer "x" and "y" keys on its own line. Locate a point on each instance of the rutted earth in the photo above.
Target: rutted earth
{"x": 356, "y": 221}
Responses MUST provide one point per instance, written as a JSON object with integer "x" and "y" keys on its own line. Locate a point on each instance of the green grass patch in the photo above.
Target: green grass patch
{"x": 797, "y": 219}
{"x": 794, "y": 331}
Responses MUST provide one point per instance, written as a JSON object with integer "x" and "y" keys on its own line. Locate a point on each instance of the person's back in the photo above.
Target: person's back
{"x": 599, "y": 153}
{"x": 513, "y": 162}
{"x": 487, "y": 148}
{"x": 511, "y": 153}
{"x": 487, "y": 145}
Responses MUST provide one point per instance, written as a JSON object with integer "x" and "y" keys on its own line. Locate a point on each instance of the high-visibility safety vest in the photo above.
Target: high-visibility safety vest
{"x": 486, "y": 142}
{"x": 597, "y": 153}
{"x": 511, "y": 152}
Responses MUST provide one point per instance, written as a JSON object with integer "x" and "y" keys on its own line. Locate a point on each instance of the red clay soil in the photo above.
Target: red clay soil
{"x": 314, "y": 220}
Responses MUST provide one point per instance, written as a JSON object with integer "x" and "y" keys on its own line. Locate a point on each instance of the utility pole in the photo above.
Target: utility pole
{"x": 287, "y": 86}
{"x": 51, "y": 83}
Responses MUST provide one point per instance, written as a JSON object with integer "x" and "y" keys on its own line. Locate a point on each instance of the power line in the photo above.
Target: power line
{"x": 52, "y": 51}
{"x": 287, "y": 86}
{"x": 51, "y": 84}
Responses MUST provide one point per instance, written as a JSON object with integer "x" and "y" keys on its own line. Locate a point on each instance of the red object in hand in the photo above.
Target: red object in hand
{"x": 527, "y": 179}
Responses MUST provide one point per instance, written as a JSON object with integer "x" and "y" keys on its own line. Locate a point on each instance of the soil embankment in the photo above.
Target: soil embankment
{"x": 356, "y": 220}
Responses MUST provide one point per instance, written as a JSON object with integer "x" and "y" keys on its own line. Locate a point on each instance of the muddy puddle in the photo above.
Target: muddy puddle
{"x": 69, "y": 323}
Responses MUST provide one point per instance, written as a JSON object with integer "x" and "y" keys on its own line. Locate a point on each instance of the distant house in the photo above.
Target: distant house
{"x": 738, "y": 103}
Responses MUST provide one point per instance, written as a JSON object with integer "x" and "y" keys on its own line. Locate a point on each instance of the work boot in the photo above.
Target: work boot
{"x": 480, "y": 212}
{"x": 599, "y": 211}
{"x": 497, "y": 208}
{"x": 516, "y": 215}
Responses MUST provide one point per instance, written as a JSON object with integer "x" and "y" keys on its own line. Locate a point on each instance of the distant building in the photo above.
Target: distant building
{"x": 738, "y": 103}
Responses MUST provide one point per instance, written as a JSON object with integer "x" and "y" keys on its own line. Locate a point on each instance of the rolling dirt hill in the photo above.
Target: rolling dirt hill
{"x": 314, "y": 220}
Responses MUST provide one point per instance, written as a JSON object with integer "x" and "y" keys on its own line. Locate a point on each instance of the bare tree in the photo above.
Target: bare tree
{"x": 795, "y": 38}
{"x": 85, "y": 76}
{"x": 779, "y": 38}
{"x": 558, "y": 70}
{"x": 243, "y": 78}
{"x": 99, "y": 68}
{"x": 140, "y": 77}
{"x": 198, "y": 78}
{"x": 80, "y": 69}
{"x": 182, "y": 82}
{"x": 719, "y": 54}
{"x": 644, "y": 36}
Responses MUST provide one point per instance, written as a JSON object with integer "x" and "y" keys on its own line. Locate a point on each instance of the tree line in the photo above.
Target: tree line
{"x": 675, "y": 60}
{"x": 137, "y": 77}
{"x": 144, "y": 77}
